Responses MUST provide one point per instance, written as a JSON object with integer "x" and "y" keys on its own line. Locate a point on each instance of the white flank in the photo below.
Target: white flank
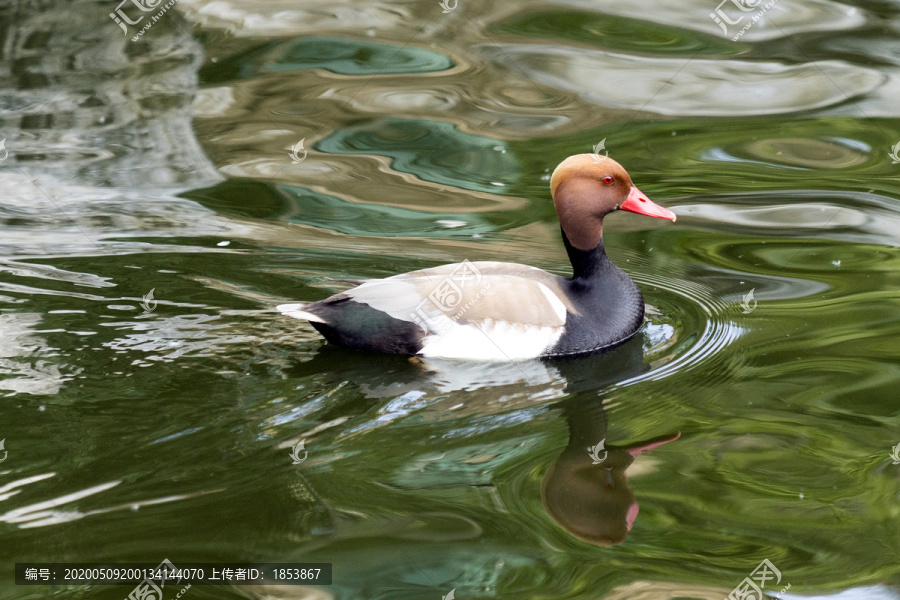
{"x": 491, "y": 340}
{"x": 296, "y": 311}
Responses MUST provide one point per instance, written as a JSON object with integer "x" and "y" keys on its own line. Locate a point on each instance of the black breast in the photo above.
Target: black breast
{"x": 609, "y": 305}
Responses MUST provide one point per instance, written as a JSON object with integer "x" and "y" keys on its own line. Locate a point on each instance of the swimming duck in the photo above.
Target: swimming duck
{"x": 489, "y": 310}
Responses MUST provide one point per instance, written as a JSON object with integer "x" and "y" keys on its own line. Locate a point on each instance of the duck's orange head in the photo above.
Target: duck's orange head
{"x": 586, "y": 188}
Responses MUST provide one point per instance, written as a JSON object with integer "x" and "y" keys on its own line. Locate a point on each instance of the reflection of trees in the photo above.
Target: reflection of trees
{"x": 90, "y": 103}
{"x": 98, "y": 128}
{"x": 24, "y": 367}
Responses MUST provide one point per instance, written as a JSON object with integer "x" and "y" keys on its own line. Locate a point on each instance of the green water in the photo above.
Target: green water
{"x": 135, "y": 434}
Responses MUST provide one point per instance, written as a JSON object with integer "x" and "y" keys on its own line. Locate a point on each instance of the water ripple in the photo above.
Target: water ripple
{"x": 729, "y": 87}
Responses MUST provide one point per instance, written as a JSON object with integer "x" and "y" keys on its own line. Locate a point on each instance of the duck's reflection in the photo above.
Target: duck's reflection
{"x": 489, "y": 387}
{"x": 585, "y": 490}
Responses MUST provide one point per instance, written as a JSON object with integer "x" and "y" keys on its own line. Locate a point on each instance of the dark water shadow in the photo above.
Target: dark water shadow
{"x": 585, "y": 490}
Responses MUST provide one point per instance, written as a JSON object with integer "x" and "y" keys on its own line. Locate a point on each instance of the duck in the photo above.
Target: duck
{"x": 488, "y": 310}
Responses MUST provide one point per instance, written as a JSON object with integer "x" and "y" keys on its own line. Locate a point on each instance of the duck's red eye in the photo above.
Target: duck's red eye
{"x": 608, "y": 180}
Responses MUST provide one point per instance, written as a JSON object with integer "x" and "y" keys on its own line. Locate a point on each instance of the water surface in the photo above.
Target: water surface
{"x": 138, "y": 429}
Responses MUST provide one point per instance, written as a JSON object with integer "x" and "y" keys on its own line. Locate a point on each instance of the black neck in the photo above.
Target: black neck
{"x": 586, "y": 264}
{"x": 587, "y": 421}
